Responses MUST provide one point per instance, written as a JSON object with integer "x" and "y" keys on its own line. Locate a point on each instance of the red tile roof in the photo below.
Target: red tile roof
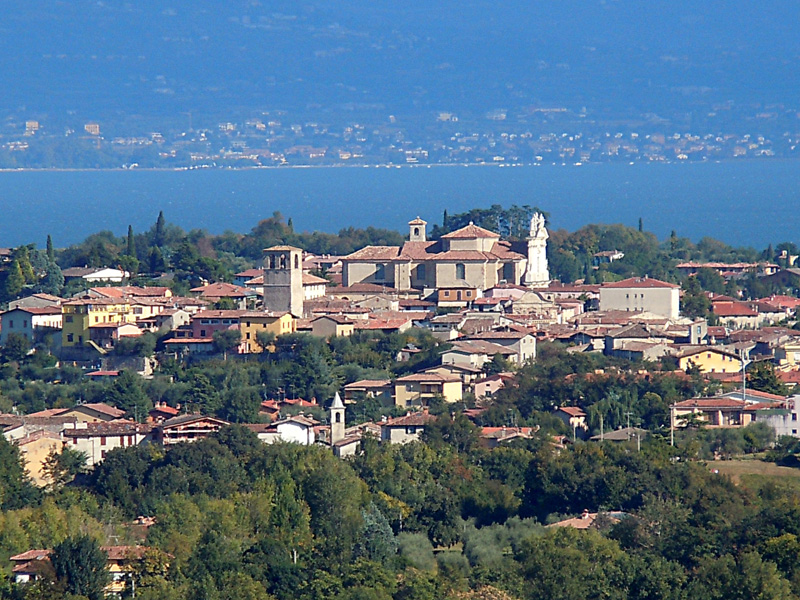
{"x": 640, "y": 282}
{"x": 470, "y": 232}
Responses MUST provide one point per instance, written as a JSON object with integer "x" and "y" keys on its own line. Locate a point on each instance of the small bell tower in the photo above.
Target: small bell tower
{"x": 416, "y": 230}
{"x": 337, "y": 419}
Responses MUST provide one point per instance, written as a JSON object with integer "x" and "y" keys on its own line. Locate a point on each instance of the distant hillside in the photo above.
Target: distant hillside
{"x": 115, "y": 58}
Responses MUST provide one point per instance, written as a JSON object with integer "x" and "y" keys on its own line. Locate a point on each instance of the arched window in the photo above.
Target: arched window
{"x": 271, "y": 261}
{"x": 283, "y": 261}
{"x": 338, "y": 417}
{"x": 461, "y": 271}
{"x": 416, "y": 231}
{"x": 296, "y": 261}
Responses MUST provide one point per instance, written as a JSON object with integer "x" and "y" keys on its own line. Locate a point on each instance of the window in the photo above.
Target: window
{"x": 70, "y": 338}
{"x": 69, "y": 318}
{"x": 202, "y": 333}
{"x": 103, "y": 441}
{"x": 338, "y": 417}
{"x": 460, "y": 271}
{"x": 11, "y": 324}
{"x": 508, "y": 272}
{"x": 416, "y": 231}
{"x": 411, "y": 430}
{"x": 458, "y": 295}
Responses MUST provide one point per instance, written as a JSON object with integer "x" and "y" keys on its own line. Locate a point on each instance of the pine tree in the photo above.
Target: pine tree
{"x": 131, "y": 249}
{"x": 641, "y": 224}
{"x": 51, "y": 253}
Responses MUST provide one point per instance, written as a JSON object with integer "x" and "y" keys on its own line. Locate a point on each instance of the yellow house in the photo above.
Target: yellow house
{"x": 710, "y": 360}
{"x": 79, "y": 315}
{"x": 417, "y": 388}
{"x": 250, "y": 323}
{"x": 34, "y": 449}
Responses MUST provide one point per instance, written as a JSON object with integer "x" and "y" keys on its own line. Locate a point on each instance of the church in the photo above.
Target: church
{"x": 471, "y": 257}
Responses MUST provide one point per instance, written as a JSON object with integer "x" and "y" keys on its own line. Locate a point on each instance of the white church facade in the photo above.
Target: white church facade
{"x": 470, "y": 257}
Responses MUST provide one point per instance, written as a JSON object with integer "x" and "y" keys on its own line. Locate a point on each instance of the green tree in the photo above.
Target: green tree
{"x": 15, "y": 281}
{"x": 130, "y": 248}
{"x": 761, "y": 376}
{"x": 16, "y": 488}
{"x": 159, "y": 236}
{"x": 62, "y": 467}
{"x": 51, "y": 253}
{"x": 227, "y": 340}
{"x": 16, "y": 348}
{"x": 80, "y": 564}
{"x": 126, "y": 393}
{"x": 376, "y": 540}
{"x": 694, "y": 302}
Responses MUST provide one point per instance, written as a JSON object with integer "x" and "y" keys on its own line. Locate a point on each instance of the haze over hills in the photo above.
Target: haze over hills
{"x": 113, "y": 59}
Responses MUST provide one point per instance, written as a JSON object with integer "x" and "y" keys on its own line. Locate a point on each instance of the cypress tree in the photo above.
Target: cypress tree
{"x": 160, "y": 229}
{"x": 51, "y": 253}
{"x": 131, "y": 250}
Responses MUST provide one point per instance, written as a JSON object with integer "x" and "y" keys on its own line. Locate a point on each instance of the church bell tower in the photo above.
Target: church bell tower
{"x": 283, "y": 280}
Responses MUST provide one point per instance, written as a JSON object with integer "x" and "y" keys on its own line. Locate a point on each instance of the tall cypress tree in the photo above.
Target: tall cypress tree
{"x": 131, "y": 250}
{"x": 160, "y": 229}
{"x": 51, "y": 253}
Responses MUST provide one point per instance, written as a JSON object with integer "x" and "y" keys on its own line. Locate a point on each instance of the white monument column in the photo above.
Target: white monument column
{"x": 537, "y": 275}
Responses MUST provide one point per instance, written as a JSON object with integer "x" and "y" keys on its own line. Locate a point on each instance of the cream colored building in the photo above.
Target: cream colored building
{"x": 471, "y": 257}
{"x": 418, "y": 388}
{"x": 710, "y": 360}
{"x": 641, "y": 294}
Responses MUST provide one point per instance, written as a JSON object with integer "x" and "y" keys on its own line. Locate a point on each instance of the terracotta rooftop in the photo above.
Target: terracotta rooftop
{"x": 411, "y": 419}
{"x": 640, "y": 282}
{"x": 470, "y": 232}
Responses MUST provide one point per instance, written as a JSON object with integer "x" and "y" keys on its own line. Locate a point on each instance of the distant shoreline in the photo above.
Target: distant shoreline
{"x": 386, "y": 166}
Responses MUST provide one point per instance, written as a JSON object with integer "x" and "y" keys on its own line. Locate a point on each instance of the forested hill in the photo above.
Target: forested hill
{"x": 104, "y": 59}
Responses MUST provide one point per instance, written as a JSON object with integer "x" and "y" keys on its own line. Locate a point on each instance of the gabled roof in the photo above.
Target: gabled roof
{"x": 222, "y": 290}
{"x": 184, "y": 419}
{"x": 710, "y": 403}
{"x": 572, "y": 411}
{"x": 386, "y": 253}
{"x": 411, "y": 419}
{"x": 639, "y": 283}
{"x": 470, "y": 232}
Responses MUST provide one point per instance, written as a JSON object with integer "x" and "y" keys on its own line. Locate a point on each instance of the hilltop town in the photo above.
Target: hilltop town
{"x": 479, "y": 356}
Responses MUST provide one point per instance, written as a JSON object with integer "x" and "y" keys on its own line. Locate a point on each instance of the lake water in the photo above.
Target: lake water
{"x": 742, "y": 203}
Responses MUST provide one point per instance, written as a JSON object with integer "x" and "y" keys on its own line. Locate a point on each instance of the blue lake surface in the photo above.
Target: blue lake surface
{"x": 742, "y": 203}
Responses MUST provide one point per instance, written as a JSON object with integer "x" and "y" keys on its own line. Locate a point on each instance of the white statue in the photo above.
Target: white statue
{"x": 537, "y": 274}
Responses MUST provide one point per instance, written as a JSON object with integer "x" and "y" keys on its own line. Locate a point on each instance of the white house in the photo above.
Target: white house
{"x": 29, "y": 322}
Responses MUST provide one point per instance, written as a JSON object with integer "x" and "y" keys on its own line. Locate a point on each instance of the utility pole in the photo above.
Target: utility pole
{"x": 745, "y": 362}
{"x": 672, "y": 426}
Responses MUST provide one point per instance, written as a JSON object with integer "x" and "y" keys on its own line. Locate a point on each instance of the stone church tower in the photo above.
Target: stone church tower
{"x": 337, "y": 419}
{"x": 283, "y": 280}
{"x": 537, "y": 275}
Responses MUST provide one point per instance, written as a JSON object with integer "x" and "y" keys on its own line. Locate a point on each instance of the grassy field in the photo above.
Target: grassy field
{"x": 755, "y": 473}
